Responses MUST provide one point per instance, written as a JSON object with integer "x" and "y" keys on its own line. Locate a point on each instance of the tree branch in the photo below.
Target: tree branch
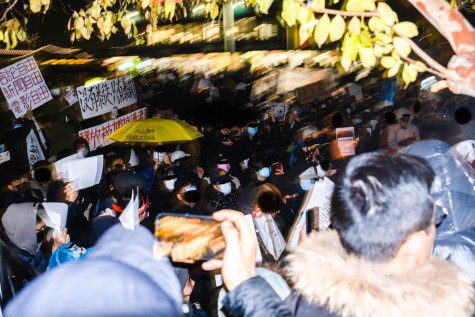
{"x": 429, "y": 70}
{"x": 338, "y": 12}
{"x": 427, "y": 59}
{"x": 7, "y": 10}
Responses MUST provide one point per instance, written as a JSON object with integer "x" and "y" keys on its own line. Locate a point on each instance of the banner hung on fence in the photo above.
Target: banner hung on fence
{"x": 98, "y": 136}
{"x": 104, "y": 97}
{"x": 23, "y": 86}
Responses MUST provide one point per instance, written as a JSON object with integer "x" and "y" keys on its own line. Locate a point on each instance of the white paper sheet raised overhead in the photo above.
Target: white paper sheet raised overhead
{"x": 85, "y": 172}
{"x": 57, "y": 214}
{"x": 130, "y": 216}
{"x": 134, "y": 160}
{"x": 60, "y": 166}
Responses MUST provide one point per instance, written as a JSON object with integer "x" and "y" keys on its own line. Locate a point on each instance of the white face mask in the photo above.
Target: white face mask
{"x": 55, "y": 91}
{"x": 84, "y": 151}
{"x": 170, "y": 184}
{"x": 225, "y": 188}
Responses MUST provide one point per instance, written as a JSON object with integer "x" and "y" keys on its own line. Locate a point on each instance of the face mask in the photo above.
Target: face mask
{"x": 358, "y": 121}
{"x": 224, "y": 167}
{"x": 83, "y": 151}
{"x": 170, "y": 184}
{"x": 252, "y": 131}
{"x": 264, "y": 172}
{"x": 55, "y": 91}
{"x": 225, "y": 188}
{"x": 305, "y": 184}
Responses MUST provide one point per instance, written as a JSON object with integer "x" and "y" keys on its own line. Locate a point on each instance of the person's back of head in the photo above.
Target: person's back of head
{"x": 269, "y": 198}
{"x": 380, "y": 201}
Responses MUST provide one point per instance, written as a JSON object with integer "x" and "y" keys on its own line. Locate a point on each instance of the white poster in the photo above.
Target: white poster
{"x": 23, "y": 86}
{"x": 71, "y": 97}
{"x": 4, "y": 157}
{"x": 103, "y": 97}
{"x": 270, "y": 235}
{"x": 85, "y": 172}
{"x": 346, "y": 140}
{"x": 33, "y": 149}
{"x": 98, "y": 136}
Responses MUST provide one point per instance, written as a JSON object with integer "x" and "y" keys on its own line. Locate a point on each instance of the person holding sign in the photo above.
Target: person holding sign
{"x": 376, "y": 263}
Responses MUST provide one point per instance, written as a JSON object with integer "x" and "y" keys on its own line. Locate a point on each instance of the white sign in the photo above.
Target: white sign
{"x": 71, "y": 97}
{"x": 85, "y": 172}
{"x": 56, "y": 215}
{"x": 23, "y": 86}
{"x": 345, "y": 138}
{"x": 4, "y": 157}
{"x": 130, "y": 216}
{"x": 103, "y": 97}
{"x": 98, "y": 136}
{"x": 33, "y": 149}
{"x": 270, "y": 235}
{"x": 60, "y": 166}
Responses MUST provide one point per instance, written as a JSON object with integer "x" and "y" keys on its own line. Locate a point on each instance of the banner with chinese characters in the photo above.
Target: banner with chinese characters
{"x": 98, "y": 136}
{"x": 33, "y": 149}
{"x": 104, "y": 97}
{"x": 23, "y": 86}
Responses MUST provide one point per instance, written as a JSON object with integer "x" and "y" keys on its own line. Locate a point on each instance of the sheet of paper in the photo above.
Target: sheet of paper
{"x": 71, "y": 96}
{"x": 57, "y": 215}
{"x": 253, "y": 228}
{"x": 61, "y": 167}
{"x": 345, "y": 138}
{"x": 130, "y": 216}
{"x": 270, "y": 235}
{"x": 85, "y": 172}
{"x": 134, "y": 160}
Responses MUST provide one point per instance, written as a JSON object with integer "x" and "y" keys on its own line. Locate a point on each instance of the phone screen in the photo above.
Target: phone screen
{"x": 189, "y": 239}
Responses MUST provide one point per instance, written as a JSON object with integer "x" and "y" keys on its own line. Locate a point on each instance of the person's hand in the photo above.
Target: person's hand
{"x": 69, "y": 194}
{"x": 17, "y": 182}
{"x": 239, "y": 262}
{"x": 227, "y": 143}
{"x": 61, "y": 239}
{"x": 29, "y": 115}
{"x": 200, "y": 171}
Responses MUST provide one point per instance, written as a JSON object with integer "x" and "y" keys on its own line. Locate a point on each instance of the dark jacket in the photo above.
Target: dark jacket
{"x": 327, "y": 281}
{"x": 215, "y": 200}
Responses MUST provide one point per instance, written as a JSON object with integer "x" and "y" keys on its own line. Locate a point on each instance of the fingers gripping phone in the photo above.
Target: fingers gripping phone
{"x": 189, "y": 239}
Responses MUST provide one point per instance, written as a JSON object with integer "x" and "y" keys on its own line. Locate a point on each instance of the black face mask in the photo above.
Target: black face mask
{"x": 192, "y": 196}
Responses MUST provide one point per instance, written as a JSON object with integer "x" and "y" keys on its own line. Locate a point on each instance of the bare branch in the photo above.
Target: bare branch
{"x": 426, "y": 58}
{"x": 7, "y": 10}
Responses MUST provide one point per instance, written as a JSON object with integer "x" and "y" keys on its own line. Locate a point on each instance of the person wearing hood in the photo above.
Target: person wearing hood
{"x": 24, "y": 230}
{"x": 404, "y": 133}
{"x": 454, "y": 196}
{"x": 120, "y": 277}
{"x": 376, "y": 262}
{"x": 222, "y": 192}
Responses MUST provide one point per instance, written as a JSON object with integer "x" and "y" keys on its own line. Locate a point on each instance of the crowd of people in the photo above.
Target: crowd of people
{"x": 401, "y": 239}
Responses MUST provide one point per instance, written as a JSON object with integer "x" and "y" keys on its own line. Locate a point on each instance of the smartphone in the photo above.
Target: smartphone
{"x": 189, "y": 239}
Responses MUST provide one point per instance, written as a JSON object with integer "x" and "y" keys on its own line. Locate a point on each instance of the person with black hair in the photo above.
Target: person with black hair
{"x": 376, "y": 262}
{"x": 115, "y": 162}
{"x": 42, "y": 178}
{"x": 186, "y": 198}
{"x": 222, "y": 193}
{"x": 82, "y": 146}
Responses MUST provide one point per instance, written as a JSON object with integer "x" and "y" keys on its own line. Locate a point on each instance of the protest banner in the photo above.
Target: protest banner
{"x": 98, "y": 136}
{"x": 103, "y": 97}
{"x": 346, "y": 141}
{"x": 23, "y": 86}
{"x": 33, "y": 149}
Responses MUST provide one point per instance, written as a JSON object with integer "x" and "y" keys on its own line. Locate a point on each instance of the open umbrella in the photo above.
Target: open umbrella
{"x": 155, "y": 130}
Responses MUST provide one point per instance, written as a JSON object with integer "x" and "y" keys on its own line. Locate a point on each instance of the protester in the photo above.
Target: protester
{"x": 403, "y": 134}
{"x": 376, "y": 262}
{"x": 222, "y": 193}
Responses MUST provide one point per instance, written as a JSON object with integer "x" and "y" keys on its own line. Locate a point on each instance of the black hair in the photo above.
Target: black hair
{"x": 261, "y": 161}
{"x": 380, "y": 201}
{"x": 64, "y": 153}
{"x": 337, "y": 120}
{"x": 81, "y": 141}
{"x": 269, "y": 198}
{"x": 416, "y": 107}
{"x": 110, "y": 160}
{"x": 42, "y": 174}
{"x": 390, "y": 117}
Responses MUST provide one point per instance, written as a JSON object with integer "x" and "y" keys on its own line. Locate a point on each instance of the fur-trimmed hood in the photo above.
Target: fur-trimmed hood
{"x": 347, "y": 285}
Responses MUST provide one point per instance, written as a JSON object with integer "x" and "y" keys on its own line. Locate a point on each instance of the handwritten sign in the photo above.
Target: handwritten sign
{"x": 23, "y": 86}
{"x": 104, "y": 97}
{"x": 33, "y": 149}
{"x": 98, "y": 136}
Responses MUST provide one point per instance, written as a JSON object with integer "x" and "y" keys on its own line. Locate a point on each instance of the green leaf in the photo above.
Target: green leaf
{"x": 322, "y": 30}
{"x": 354, "y": 26}
{"x": 21, "y": 35}
{"x": 1, "y": 35}
{"x": 14, "y": 40}
{"x": 387, "y": 15}
{"x": 408, "y": 29}
{"x": 337, "y": 28}
{"x": 401, "y": 46}
{"x": 365, "y": 38}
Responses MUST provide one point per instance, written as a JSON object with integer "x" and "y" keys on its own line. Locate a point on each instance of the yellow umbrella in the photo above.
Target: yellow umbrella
{"x": 155, "y": 130}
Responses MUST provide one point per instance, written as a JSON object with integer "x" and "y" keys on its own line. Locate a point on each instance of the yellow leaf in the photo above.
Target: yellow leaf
{"x": 14, "y": 40}
{"x": 215, "y": 12}
{"x": 367, "y": 57}
{"x": 1, "y": 35}
{"x": 420, "y": 67}
{"x": 387, "y": 15}
{"x": 21, "y": 35}
{"x": 322, "y": 30}
{"x": 409, "y": 73}
{"x": 378, "y": 50}
{"x": 346, "y": 62}
{"x": 73, "y": 36}
{"x": 169, "y": 9}
{"x": 290, "y": 10}
{"x": 394, "y": 70}
{"x": 318, "y": 4}
{"x": 353, "y": 46}
{"x": 35, "y": 6}
{"x": 388, "y": 62}
{"x": 365, "y": 38}
{"x": 401, "y": 46}
{"x": 78, "y": 23}
{"x": 145, "y": 3}
{"x": 337, "y": 28}
{"x": 126, "y": 25}
{"x": 264, "y": 5}
{"x": 376, "y": 24}
{"x": 354, "y": 26}
{"x": 388, "y": 48}
{"x": 408, "y": 29}
{"x": 305, "y": 15}
{"x": 383, "y": 38}
{"x": 96, "y": 11}
{"x": 360, "y": 5}
{"x": 303, "y": 34}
